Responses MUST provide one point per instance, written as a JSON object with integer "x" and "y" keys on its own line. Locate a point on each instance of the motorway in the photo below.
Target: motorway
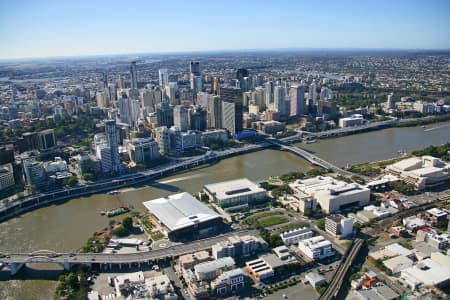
{"x": 45, "y": 256}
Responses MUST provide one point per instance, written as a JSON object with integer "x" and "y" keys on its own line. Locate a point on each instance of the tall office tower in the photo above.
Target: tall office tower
{"x": 232, "y": 109}
{"x": 312, "y": 93}
{"x": 102, "y": 101}
{"x": 268, "y": 93}
{"x": 326, "y": 93}
{"x": 279, "y": 93}
{"x": 111, "y": 140}
{"x": 197, "y": 118}
{"x": 112, "y": 88}
{"x": 180, "y": 117}
{"x": 240, "y": 75}
{"x": 147, "y": 99}
{"x": 259, "y": 98}
{"x": 390, "y": 104}
{"x": 105, "y": 80}
{"x": 121, "y": 82}
{"x": 171, "y": 93}
{"x": 133, "y": 72}
{"x": 130, "y": 111}
{"x": 161, "y": 135}
{"x": 163, "y": 77}
{"x": 297, "y": 98}
{"x": 328, "y": 108}
{"x": 246, "y": 98}
{"x": 194, "y": 68}
{"x": 202, "y": 99}
{"x": 198, "y": 84}
{"x": 164, "y": 114}
{"x": 216, "y": 85}
{"x": 214, "y": 112}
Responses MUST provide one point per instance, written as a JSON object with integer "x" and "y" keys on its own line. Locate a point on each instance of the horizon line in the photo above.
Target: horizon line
{"x": 28, "y": 58}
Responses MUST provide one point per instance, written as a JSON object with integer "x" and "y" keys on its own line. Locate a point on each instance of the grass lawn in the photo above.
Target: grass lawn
{"x": 273, "y": 220}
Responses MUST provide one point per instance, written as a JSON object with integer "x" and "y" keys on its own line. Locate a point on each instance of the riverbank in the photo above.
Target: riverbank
{"x": 16, "y": 208}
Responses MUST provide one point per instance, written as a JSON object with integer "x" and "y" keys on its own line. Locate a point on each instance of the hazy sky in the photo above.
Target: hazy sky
{"x": 40, "y": 28}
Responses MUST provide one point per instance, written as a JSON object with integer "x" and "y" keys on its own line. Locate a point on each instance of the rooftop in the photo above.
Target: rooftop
{"x": 180, "y": 211}
{"x": 211, "y": 266}
{"x": 232, "y": 188}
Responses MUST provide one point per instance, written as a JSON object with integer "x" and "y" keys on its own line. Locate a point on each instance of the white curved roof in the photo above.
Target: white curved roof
{"x": 180, "y": 211}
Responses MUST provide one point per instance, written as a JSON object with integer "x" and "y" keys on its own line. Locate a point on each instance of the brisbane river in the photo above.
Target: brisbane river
{"x": 65, "y": 227}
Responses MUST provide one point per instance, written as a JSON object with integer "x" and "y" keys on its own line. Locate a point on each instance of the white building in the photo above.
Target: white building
{"x": 142, "y": 150}
{"x": 397, "y": 264}
{"x": 332, "y": 194}
{"x": 353, "y": 120}
{"x": 428, "y": 272}
{"x": 211, "y": 269}
{"x": 339, "y": 226}
{"x": 234, "y": 192}
{"x": 228, "y": 281}
{"x": 294, "y": 236}
{"x": 316, "y": 248}
{"x": 422, "y": 172}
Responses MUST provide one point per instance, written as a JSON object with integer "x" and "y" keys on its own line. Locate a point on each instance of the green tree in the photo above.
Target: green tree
{"x": 321, "y": 223}
{"x": 127, "y": 223}
{"x": 71, "y": 181}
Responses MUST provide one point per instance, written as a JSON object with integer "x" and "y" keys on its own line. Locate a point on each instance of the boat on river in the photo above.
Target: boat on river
{"x": 115, "y": 211}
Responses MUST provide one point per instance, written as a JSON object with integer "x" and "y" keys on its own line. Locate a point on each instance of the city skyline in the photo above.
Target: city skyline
{"x": 106, "y": 28}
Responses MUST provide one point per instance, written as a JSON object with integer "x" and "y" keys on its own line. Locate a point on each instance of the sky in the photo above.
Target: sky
{"x": 48, "y": 28}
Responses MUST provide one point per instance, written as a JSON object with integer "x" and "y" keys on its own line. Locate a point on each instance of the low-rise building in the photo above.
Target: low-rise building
{"x": 295, "y": 235}
{"x": 234, "y": 192}
{"x": 432, "y": 238}
{"x": 353, "y": 120}
{"x": 434, "y": 271}
{"x": 238, "y": 246}
{"x": 314, "y": 279}
{"x": 422, "y": 172}
{"x": 339, "y": 226}
{"x": 228, "y": 282}
{"x": 316, "y": 248}
{"x": 282, "y": 252}
{"x": 397, "y": 264}
{"x": 263, "y": 267}
{"x": 207, "y": 271}
{"x": 436, "y": 215}
{"x": 332, "y": 194}
{"x": 188, "y": 261}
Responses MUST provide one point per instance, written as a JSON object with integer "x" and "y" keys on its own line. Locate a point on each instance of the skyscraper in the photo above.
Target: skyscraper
{"x": 163, "y": 77}
{"x": 242, "y": 77}
{"x": 164, "y": 114}
{"x": 214, "y": 112}
{"x": 197, "y": 118}
{"x": 194, "y": 69}
{"x": 297, "y": 96}
{"x": 312, "y": 93}
{"x": 390, "y": 104}
{"x": 180, "y": 117}
{"x": 279, "y": 93}
{"x": 326, "y": 93}
{"x": 111, "y": 140}
{"x": 232, "y": 109}
{"x": 133, "y": 72}
{"x": 268, "y": 93}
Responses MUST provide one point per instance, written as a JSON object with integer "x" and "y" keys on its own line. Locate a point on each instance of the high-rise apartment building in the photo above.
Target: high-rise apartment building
{"x": 111, "y": 141}
{"x": 180, "y": 117}
{"x": 268, "y": 94}
{"x": 312, "y": 93}
{"x": 279, "y": 93}
{"x": 163, "y": 77}
{"x": 297, "y": 97}
{"x": 164, "y": 114}
{"x": 133, "y": 73}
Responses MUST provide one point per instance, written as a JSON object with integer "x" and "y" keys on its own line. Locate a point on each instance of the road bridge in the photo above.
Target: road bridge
{"x": 15, "y": 261}
{"x": 313, "y": 159}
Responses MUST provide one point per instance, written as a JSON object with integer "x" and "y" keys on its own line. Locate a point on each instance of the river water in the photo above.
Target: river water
{"x": 65, "y": 227}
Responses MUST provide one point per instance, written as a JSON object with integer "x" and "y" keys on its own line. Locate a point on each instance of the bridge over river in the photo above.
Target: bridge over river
{"x": 15, "y": 261}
